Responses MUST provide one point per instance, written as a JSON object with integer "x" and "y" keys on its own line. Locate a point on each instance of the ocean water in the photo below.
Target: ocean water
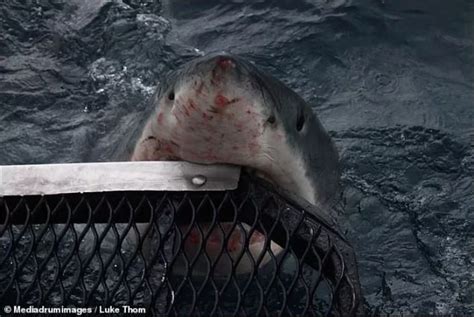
{"x": 392, "y": 81}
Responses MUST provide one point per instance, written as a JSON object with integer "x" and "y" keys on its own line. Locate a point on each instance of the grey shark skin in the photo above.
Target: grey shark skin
{"x": 221, "y": 109}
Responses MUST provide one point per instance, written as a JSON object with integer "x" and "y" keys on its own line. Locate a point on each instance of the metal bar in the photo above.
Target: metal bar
{"x": 50, "y": 179}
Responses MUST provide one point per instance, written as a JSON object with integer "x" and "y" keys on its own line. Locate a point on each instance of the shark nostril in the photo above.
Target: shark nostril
{"x": 171, "y": 96}
{"x": 271, "y": 119}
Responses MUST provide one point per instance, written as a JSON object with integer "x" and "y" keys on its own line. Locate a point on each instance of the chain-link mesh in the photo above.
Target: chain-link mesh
{"x": 244, "y": 252}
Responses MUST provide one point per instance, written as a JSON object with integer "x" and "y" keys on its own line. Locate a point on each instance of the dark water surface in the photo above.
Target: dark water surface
{"x": 393, "y": 81}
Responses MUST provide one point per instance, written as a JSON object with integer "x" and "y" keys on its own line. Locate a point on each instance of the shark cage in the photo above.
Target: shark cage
{"x": 167, "y": 239}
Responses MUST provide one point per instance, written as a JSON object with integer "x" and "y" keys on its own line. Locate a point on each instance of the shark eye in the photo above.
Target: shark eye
{"x": 171, "y": 95}
{"x": 300, "y": 122}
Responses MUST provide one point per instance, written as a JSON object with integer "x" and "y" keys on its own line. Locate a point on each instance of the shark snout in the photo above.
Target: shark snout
{"x": 225, "y": 62}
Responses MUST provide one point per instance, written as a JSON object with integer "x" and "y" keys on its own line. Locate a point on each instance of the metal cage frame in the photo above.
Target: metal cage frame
{"x": 163, "y": 205}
